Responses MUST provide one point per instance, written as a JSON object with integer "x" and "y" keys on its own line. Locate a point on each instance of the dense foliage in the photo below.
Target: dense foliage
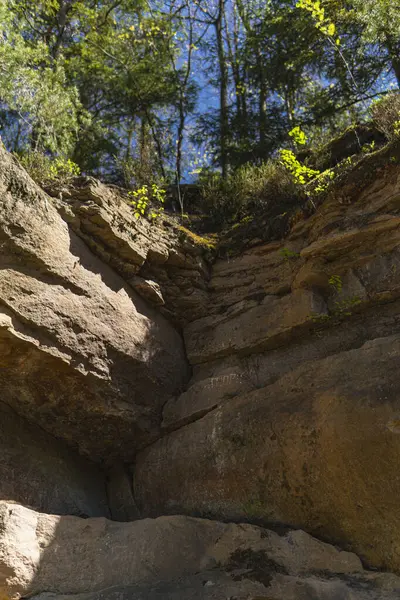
{"x": 146, "y": 91}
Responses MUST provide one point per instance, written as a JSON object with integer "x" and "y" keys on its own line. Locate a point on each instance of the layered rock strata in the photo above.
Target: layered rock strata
{"x": 139, "y": 380}
{"x": 292, "y": 414}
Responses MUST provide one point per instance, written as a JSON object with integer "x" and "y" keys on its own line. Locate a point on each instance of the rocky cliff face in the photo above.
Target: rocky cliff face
{"x": 140, "y": 378}
{"x": 292, "y": 412}
{"x": 83, "y": 355}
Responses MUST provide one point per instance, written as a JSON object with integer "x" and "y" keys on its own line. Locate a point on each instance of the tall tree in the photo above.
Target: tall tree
{"x": 381, "y": 23}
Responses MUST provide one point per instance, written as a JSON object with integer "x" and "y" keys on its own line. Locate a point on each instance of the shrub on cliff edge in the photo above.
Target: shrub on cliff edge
{"x": 386, "y": 115}
{"x": 249, "y": 190}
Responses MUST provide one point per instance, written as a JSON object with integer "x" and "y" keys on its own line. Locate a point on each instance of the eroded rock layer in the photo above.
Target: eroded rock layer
{"x": 292, "y": 414}
{"x": 162, "y": 264}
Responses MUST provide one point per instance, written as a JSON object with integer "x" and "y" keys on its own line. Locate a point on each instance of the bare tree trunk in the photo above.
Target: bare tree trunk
{"x": 182, "y": 107}
{"x": 262, "y": 100}
{"x": 223, "y": 89}
{"x": 393, "y": 48}
{"x": 143, "y": 152}
{"x": 396, "y": 69}
{"x": 65, "y": 5}
{"x": 263, "y": 92}
{"x": 233, "y": 45}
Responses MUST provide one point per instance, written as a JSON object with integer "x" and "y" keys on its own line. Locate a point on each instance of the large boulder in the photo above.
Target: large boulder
{"x": 174, "y": 558}
{"x": 82, "y": 355}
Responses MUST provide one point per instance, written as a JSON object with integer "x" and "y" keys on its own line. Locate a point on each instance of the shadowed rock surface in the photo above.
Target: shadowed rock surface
{"x": 189, "y": 558}
{"x": 39, "y": 471}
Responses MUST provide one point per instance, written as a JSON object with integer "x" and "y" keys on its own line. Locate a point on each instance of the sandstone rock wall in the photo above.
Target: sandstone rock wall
{"x": 263, "y": 389}
{"x": 292, "y": 414}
